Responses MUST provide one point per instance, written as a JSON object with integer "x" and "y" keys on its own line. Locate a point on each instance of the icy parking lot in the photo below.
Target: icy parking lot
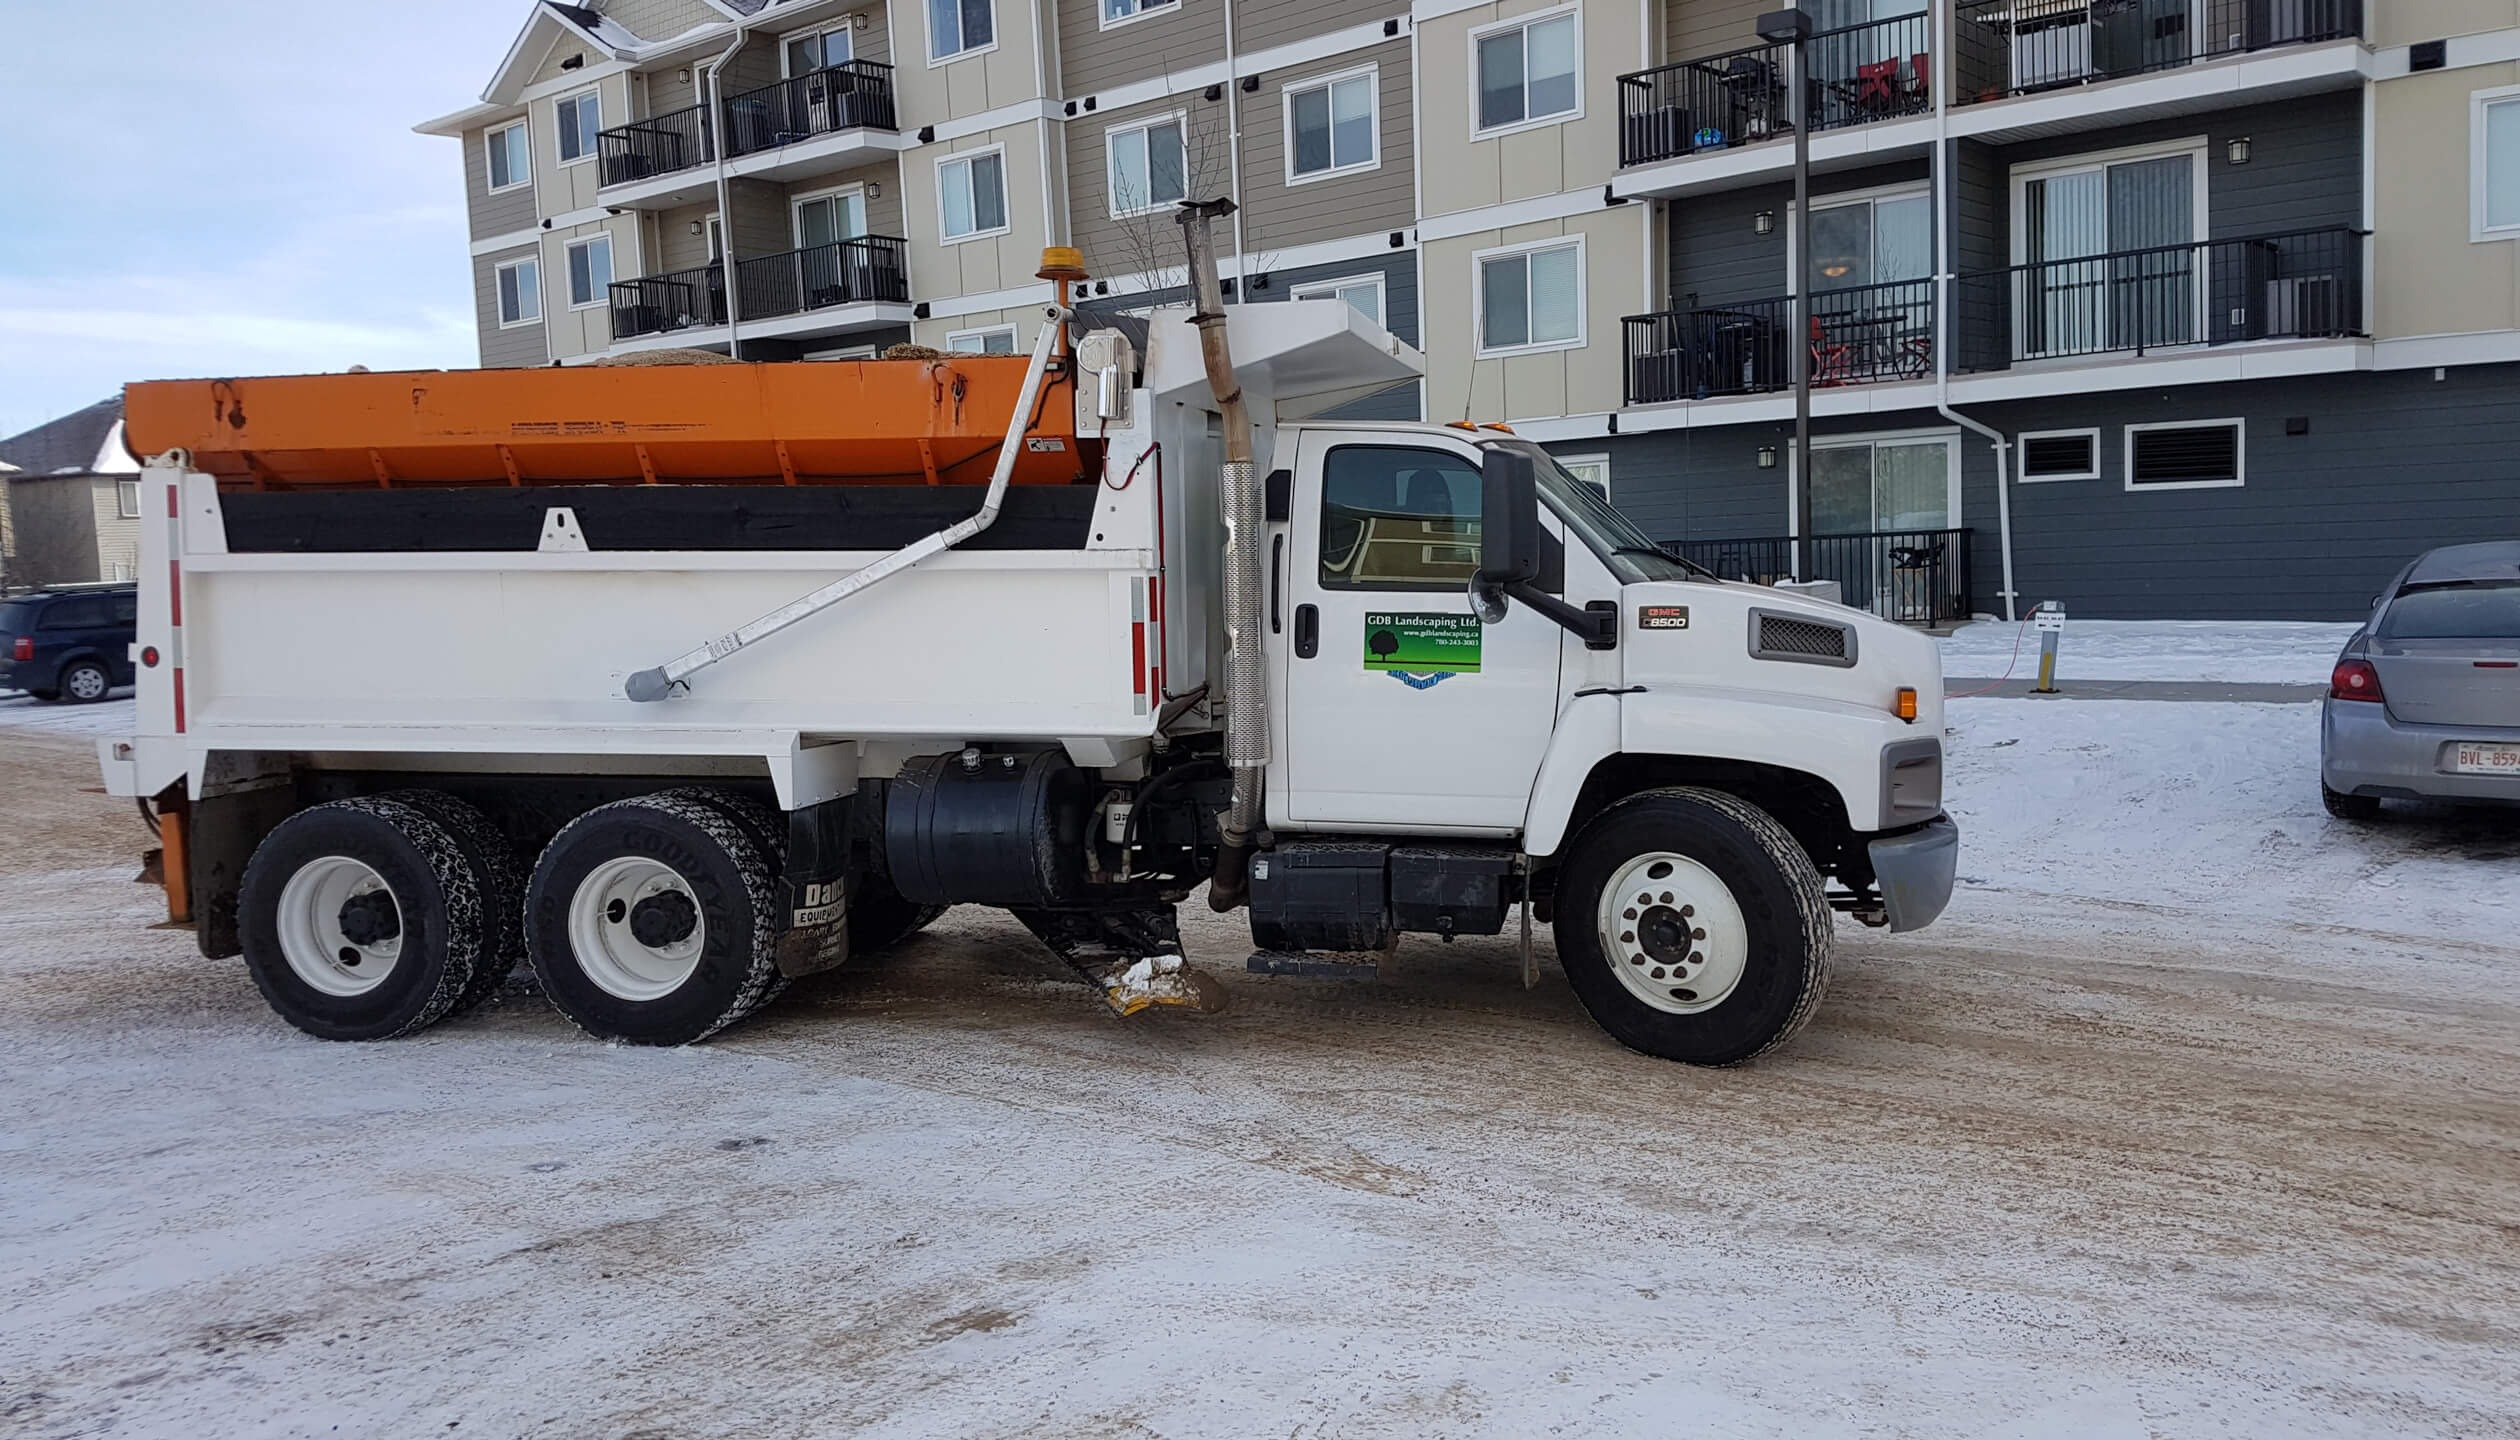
{"x": 2199, "y": 1115}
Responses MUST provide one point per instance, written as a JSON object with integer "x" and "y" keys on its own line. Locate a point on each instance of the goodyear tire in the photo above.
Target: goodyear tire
{"x": 363, "y": 919}
{"x": 503, "y": 883}
{"x": 1694, "y": 927}
{"x": 654, "y": 921}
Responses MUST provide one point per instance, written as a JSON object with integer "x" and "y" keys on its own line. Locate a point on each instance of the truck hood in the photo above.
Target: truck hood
{"x": 1738, "y": 636}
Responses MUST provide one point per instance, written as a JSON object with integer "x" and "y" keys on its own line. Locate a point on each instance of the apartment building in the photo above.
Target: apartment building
{"x": 2224, "y": 290}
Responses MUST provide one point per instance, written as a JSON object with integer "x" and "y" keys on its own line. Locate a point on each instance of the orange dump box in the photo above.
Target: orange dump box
{"x": 866, "y": 422}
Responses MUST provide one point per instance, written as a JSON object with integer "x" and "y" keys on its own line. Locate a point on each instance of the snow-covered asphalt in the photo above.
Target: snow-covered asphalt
{"x": 2199, "y": 1115}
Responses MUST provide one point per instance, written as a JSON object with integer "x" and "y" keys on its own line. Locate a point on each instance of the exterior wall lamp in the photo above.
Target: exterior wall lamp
{"x": 1764, "y": 222}
{"x": 1767, "y": 457}
{"x": 2239, "y": 150}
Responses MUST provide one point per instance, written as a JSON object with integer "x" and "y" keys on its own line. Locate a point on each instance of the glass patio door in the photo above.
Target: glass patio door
{"x": 1878, "y": 495}
{"x": 2112, "y": 257}
{"x": 829, "y": 272}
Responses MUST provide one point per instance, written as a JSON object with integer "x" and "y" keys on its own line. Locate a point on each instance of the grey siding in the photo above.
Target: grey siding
{"x": 506, "y": 349}
{"x": 1278, "y": 215}
{"x": 54, "y": 525}
{"x": 1190, "y": 32}
{"x": 1281, "y": 22}
{"x": 502, "y": 214}
{"x": 759, "y": 224}
{"x": 1117, "y": 246}
{"x": 1717, "y": 252}
{"x": 2304, "y": 170}
{"x": 1980, "y": 208}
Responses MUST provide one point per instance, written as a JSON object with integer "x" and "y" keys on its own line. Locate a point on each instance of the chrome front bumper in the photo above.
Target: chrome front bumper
{"x": 1915, "y": 870}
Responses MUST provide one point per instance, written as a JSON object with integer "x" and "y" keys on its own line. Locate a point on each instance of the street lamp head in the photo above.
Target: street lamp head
{"x": 1784, "y": 27}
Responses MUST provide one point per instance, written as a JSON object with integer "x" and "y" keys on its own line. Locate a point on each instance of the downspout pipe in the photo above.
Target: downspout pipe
{"x": 1943, "y": 311}
{"x": 726, "y": 210}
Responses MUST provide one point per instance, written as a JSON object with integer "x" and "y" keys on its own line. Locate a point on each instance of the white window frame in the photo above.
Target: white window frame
{"x": 927, "y": 21}
{"x": 2200, "y": 220}
{"x": 521, "y": 321}
{"x": 2478, "y": 103}
{"x": 1478, "y": 297}
{"x": 1146, "y": 10}
{"x": 603, "y": 293}
{"x": 1180, "y": 120}
{"x": 2021, "y": 455}
{"x": 594, "y": 92}
{"x": 713, "y": 237}
{"x": 1525, "y": 22}
{"x": 1006, "y": 200}
{"x": 971, "y": 340}
{"x": 797, "y": 204}
{"x": 1373, "y": 109}
{"x": 1904, "y": 190}
{"x": 127, "y": 499}
{"x": 1600, "y": 458}
{"x": 1953, "y": 461}
{"x": 2239, "y": 427}
{"x": 841, "y": 26}
{"x": 1329, "y": 290}
{"x": 489, "y": 170}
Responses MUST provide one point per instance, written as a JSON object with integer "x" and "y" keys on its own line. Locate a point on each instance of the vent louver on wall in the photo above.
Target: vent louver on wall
{"x": 1777, "y": 636}
{"x": 2185, "y": 455}
{"x": 2055, "y": 457}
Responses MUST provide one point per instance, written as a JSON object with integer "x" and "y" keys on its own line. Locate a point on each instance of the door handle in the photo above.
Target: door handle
{"x": 1277, "y": 585}
{"x": 1307, "y": 632}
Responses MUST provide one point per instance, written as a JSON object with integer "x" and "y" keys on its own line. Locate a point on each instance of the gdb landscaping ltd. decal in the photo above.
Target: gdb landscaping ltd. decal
{"x": 1421, "y": 648}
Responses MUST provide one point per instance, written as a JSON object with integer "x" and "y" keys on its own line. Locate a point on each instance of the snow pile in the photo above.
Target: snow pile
{"x": 2233, "y": 651}
{"x": 110, "y": 717}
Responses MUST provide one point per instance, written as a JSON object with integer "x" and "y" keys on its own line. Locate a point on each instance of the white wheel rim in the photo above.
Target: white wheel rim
{"x": 311, "y": 936}
{"x": 1673, "y": 933}
{"x": 608, "y": 950}
{"x": 87, "y": 683}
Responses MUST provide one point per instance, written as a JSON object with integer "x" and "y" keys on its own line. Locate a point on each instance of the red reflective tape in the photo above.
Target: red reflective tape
{"x": 1137, "y": 661}
{"x": 170, "y": 502}
{"x": 179, "y": 699}
{"x": 175, "y": 592}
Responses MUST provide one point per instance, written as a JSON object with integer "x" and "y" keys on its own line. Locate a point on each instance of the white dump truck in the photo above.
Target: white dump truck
{"x": 677, "y": 682}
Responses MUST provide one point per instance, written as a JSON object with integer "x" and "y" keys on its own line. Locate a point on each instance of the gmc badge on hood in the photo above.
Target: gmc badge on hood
{"x": 1662, "y": 617}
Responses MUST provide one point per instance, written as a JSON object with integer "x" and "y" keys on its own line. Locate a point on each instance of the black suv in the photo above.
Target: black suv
{"x": 72, "y": 643}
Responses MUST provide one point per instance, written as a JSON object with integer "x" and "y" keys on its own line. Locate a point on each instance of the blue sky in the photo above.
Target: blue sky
{"x": 233, "y": 191}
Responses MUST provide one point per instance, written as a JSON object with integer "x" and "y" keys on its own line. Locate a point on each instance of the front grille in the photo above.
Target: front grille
{"x": 1775, "y": 636}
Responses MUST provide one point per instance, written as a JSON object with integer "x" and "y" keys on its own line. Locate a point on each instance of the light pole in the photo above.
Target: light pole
{"x": 1793, "y": 28}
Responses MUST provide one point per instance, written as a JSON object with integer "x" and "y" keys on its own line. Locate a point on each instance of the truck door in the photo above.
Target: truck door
{"x": 1401, "y": 709}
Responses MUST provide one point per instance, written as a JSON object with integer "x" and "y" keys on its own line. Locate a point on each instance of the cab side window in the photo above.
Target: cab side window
{"x": 1394, "y": 518}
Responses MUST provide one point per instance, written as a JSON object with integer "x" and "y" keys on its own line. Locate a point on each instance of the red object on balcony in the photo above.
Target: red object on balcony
{"x": 1874, "y": 80}
{"x": 1923, "y": 66}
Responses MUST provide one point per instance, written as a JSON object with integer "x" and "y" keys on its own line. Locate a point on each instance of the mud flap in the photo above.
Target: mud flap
{"x": 815, "y": 889}
{"x": 1132, "y": 958}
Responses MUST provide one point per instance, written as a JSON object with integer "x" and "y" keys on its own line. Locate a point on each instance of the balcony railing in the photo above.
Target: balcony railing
{"x": 851, "y": 96}
{"x": 658, "y": 145}
{"x": 1917, "y": 577}
{"x": 2017, "y": 47}
{"x": 2306, "y": 284}
{"x": 661, "y": 304}
{"x": 1861, "y": 334}
{"x": 870, "y": 267}
{"x": 1859, "y": 74}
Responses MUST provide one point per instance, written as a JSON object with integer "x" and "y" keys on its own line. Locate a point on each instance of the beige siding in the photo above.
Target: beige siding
{"x": 870, "y": 34}
{"x": 970, "y": 267}
{"x": 2402, "y": 22}
{"x": 759, "y": 225}
{"x": 505, "y": 349}
{"x": 504, "y": 213}
{"x": 55, "y": 526}
{"x": 1116, "y": 246}
{"x": 752, "y": 67}
{"x": 1580, "y": 380}
{"x": 573, "y": 331}
{"x": 667, "y": 90}
{"x": 969, "y": 84}
{"x": 1027, "y": 323}
{"x": 1173, "y": 38}
{"x": 2428, "y": 277}
{"x": 1462, "y": 171}
{"x": 1694, "y": 29}
{"x": 1282, "y": 22}
{"x": 661, "y": 19}
{"x": 117, "y": 534}
{"x": 883, "y": 210}
{"x": 559, "y": 188}
{"x": 555, "y": 61}
{"x": 677, "y": 248}
{"x": 1278, "y": 215}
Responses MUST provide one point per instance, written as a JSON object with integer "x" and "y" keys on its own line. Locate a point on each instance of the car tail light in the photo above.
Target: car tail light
{"x": 2354, "y": 680}
{"x": 24, "y": 649}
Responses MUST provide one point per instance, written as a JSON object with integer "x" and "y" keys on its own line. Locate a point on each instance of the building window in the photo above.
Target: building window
{"x": 1121, "y": 12}
{"x": 1330, "y": 126}
{"x": 959, "y": 27}
{"x": 995, "y": 340}
{"x": 1531, "y": 299}
{"x": 2069, "y": 215}
{"x": 1395, "y": 518}
{"x": 1364, "y": 293}
{"x": 971, "y": 194}
{"x": 817, "y": 50}
{"x": 1891, "y": 484}
{"x": 2494, "y": 159}
{"x": 127, "y": 499}
{"x": 829, "y": 219}
{"x": 520, "y": 293}
{"x": 590, "y": 272}
{"x": 2060, "y": 455}
{"x": 581, "y": 118}
{"x": 1593, "y": 470}
{"x": 511, "y": 157}
{"x": 1148, "y": 170}
{"x": 1527, "y": 71}
{"x": 2185, "y": 455}
{"x": 1873, "y": 241}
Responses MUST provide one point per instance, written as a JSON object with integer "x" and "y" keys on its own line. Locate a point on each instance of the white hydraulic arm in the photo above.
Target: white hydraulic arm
{"x": 658, "y": 683}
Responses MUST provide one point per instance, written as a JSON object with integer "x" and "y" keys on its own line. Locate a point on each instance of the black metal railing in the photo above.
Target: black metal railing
{"x": 1859, "y": 74}
{"x": 1916, "y": 577}
{"x": 658, "y": 145}
{"x": 661, "y": 304}
{"x": 2305, "y": 284}
{"x": 869, "y": 267}
{"x": 2017, "y": 47}
{"x": 1858, "y": 335}
{"x": 855, "y": 95}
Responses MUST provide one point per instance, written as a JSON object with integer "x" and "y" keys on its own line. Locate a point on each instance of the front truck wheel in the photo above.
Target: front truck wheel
{"x": 1694, "y": 927}
{"x": 654, "y": 921}
{"x": 364, "y": 919}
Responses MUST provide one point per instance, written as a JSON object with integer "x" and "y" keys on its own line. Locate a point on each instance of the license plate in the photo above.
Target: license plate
{"x": 2485, "y": 759}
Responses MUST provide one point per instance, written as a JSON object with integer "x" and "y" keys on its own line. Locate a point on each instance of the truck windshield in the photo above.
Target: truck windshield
{"x": 1631, "y": 555}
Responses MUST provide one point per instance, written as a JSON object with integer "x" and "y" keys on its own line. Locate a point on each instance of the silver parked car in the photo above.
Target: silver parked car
{"x": 2425, "y": 699}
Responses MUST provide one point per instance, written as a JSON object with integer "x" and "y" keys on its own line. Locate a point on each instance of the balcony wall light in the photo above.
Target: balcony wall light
{"x": 874, "y": 189}
{"x": 2239, "y": 150}
{"x": 1764, "y": 222}
{"x": 1767, "y": 457}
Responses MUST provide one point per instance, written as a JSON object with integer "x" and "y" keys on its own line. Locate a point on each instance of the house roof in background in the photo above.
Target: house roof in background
{"x": 83, "y": 442}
